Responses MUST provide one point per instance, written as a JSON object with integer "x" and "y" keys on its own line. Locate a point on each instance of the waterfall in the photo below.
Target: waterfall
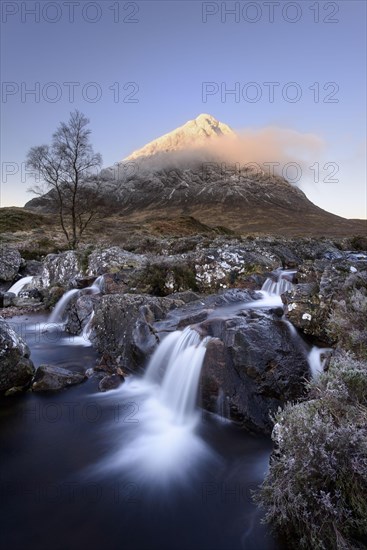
{"x": 59, "y": 310}
{"x": 170, "y": 347}
{"x": 176, "y": 366}
{"x": 97, "y": 286}
{"x": 162, "y": 443}
{"x": 181, "y": 380}
{"x": 271, "y": 291}
{"x": 222, "y": 406}
{"x": 87, "y": 330}
{"x": 316, "y": 361}
{"x": 17, "y": 287}
{"x": 280, "y": 285}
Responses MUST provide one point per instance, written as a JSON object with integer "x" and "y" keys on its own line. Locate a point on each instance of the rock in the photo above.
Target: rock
{"x": 32, "y": 268}
{"x": 31, "y": 294}
{"x": 79, "y": 312}
{"x": 252, "y": 359}
{"x": 7, "y": 299}
{"x": 164, "y": 275}
{"x": 84, "y": 282}
{"x": 16, "y": 368}
{"x": 310, "y": 304}
{"x": 61, "y": 269}
{"x": 52, "y": 378}
{"x": 113, "y": 259}
{"x": 121, "y": 282}
{"x": 53, "y": 295}
{"x": 306, "y": 310}
{"x": 123, "y": 326}
{"x": 186, "y": 296}
{"x": 256, "y": 364}
{"x": 10, "y": 263}
{"x": 111, "y": 382}
{"x": 231, "y": 265}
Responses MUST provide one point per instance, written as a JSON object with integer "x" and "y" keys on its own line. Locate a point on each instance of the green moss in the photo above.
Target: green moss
{"x": 161, "y": 279}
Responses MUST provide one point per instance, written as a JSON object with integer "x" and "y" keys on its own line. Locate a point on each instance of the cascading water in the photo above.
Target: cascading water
{"x": 60, "y": 308}
{"x": 164, "y": 441}
{"x": 169, "y": 349}
{"x": 270, "y": 296}
{"x": 19, "y": 285}
{"x": 222, "y": 406}
{"x": 281, "y": 285}
{"x": 317, "y": 360}
{"x": 270, "y": 293}
{"x": 181, "y": 380}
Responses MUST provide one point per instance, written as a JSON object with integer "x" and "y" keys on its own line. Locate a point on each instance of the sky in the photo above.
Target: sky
{"x": 140, "y": 69}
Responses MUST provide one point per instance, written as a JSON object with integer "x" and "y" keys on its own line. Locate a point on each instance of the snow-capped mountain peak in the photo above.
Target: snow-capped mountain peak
{"x": 195, "y": 133}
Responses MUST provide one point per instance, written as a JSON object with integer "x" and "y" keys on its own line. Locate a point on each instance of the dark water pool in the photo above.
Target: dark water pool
{"x": 57, "y": 491}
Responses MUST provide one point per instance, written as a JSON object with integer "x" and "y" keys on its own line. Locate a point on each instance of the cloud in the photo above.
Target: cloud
{"x": 275, "y": 150}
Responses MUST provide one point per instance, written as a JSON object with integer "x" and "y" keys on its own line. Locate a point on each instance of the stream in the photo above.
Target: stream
{"x": 116, "y": 470}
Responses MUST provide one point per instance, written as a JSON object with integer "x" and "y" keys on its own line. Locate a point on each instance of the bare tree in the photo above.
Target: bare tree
{"x": 68, "y": 169}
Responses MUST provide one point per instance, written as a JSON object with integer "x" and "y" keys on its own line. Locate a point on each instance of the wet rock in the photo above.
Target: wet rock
{"x": 252, "y": 359}
{"x": 111, "y": 382}
{"x": 84, "y": 282}
{"x": 256, "y": 364}
{"x": 31, "y": 294}
{"x": 123, "y": 326}
{"x": 52, "y": 378}
{"x": 52, "y": 296}
{"x": 7, "y": 299}
{"x": 61, "y": 269}
{"x": 16, "y": 368}
{"x": 79, "y": 312}
{"x": 10, "y": 263}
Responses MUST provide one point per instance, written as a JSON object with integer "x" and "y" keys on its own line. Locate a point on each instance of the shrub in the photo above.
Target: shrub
{"x": 359, "y": 242}
{"x": 347, "y": 322}
{"x": 315, "y": 491}
{"x": 160, "y": 279}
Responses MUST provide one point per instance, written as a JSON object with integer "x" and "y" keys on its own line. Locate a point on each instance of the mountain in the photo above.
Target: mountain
{"x": 183, "y": 173}
{"x": 197, "y": 132}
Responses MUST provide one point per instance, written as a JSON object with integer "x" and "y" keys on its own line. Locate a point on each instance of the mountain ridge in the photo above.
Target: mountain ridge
{"x": 175, "y": 175}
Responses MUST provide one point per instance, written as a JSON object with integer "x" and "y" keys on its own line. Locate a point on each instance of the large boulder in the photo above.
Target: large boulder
{"x": 310, "y": 303}
{"x": 111, "y": 260}
{"x": 61, "y": 269}
{"x": 255, "y": 364}
{"x": 231, "y": 265}
{"x": 16, "y": 368}
{"x": 10, "y": 263}
{"x": 123, "y": 326}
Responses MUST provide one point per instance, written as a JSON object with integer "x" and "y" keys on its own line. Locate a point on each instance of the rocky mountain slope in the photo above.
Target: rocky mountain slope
{"x": 182, "y": 174}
